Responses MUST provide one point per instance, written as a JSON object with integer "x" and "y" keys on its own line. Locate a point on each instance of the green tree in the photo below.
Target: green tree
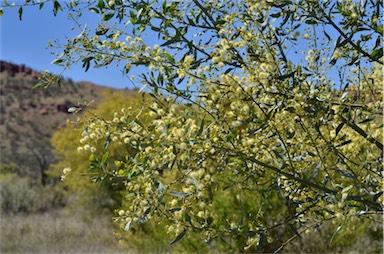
{"x": 265, "y": 140}
{"x": 73, "y": 164}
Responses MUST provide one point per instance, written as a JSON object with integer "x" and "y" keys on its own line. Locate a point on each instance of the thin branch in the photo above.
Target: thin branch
{"x": 362, "y": 132}
{"x": 349, "y": 40}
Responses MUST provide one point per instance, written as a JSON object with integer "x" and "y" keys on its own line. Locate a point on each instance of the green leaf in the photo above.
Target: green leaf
{"x": 346, "y": 189}
{"x": 170, "y": 88}
{"x": 139, "y": 13}
{"x": 339, "y": 127}
{"x": 333, "y": 61}
{"x": 128, "y": 225}
{"x": 106, "y": 61}
{"x": 377, "y": 195}
{"x": 58, "y": 61}
{"x": 367, "y": 119}
{"x": 93, "y": 165}
{"x": 160, "y": 187}
{"x": 187, "y": 218}
{"x": 359, "y": 29}
{"x": 20, "y": 13}
{"x": 94, "y": 10}
{"x": 344, "y": 192}
{"x": 101, "y": 4}
{"x": 73, "y": 109}
{"x": 170, "y": 58}
{"x": 261, "y": 242}
{"x": 180, "y": 236}
{"x": 38, "y": 85}
{"x": 179, "y": 194}
{"x": 1, "y": 12}
{"x": 334, "y": 234}
{"x": 107, "y": 141}
{"x": 107, "y": 16}
{"x": 171, "y": 41}
{"x": 378, "y": 29}
{"x": 294, "y": 230}
{"x": 167, "y": 23}
{"x": 311, "y": 22}
{"x": 56, "y": 7}
{"x": 102, "y": 32}
{"x": 87, "y": 63}
{"x": 92, "y": 158}
{"x": 311, "y": 154}
{"x": 315, "y": 171}
{"x": 191, "y": 22}
{"x": 377, "y": 53}
{"x": 201, "y": 128}
{"x": 228, "y": 70}
{"x": 105, "y": 158}
{"x": 285, "y": 76}
{"x": 230, "y": 137}
{"x": 132, "y": 13}
{"x": 127, "y": 70}
{"x": 344, "y": 96}
{"x": 278, "y": 155}
{"x": 103, "y": 181}
{"x": 220, "y": 22}
{"x": 275, "y": 15}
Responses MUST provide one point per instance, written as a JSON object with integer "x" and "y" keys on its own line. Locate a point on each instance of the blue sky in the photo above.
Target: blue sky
{"x": 26, "y": 42}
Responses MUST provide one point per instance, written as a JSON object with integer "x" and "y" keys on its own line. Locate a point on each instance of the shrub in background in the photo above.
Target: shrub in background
{"x": 23, "y": 194}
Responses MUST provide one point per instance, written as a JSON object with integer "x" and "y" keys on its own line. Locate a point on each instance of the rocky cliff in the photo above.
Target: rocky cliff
{"x": 12, "y": 70}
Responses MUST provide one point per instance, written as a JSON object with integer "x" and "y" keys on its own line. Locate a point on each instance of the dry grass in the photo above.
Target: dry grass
{"x": 63, "y": 232}
{"x": 57, "y": 232}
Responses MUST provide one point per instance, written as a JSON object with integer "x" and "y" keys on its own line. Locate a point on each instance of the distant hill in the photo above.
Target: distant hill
{"x": 29, "y": 117}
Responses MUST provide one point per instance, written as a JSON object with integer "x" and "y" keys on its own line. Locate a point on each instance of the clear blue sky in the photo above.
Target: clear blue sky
{"x": 26, "y": 42}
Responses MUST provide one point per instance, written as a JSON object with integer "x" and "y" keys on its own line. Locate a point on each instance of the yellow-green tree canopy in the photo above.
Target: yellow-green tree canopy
{"x": 282, "y": 103}
{"x": 73, "y": 164}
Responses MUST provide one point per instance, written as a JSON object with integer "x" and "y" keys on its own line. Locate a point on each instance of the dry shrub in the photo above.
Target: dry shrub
{"x": 23, "y": 195}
